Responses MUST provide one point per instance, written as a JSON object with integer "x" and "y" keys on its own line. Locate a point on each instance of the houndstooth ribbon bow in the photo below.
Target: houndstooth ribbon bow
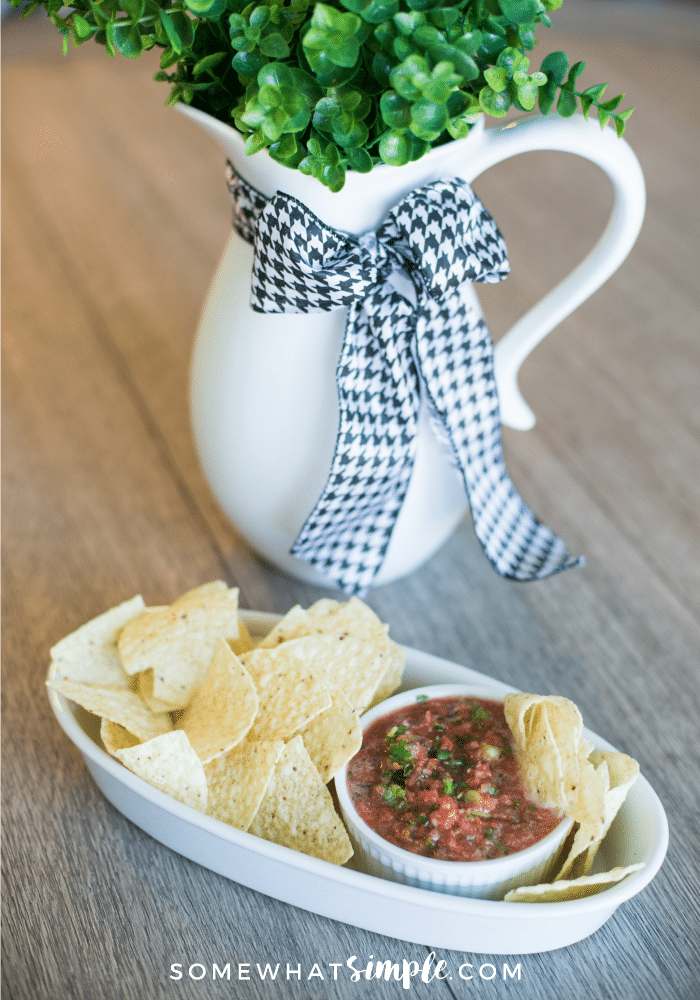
{"x": 410, "y": 334}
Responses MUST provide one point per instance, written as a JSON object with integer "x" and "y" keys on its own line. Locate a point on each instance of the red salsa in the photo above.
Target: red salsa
{"x": 439, "y": 778}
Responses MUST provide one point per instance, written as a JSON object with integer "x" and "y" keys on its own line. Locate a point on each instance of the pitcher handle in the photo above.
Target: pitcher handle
{"x": 616, "y": 158}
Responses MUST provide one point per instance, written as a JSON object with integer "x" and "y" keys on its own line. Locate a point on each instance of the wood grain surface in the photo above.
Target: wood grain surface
{"x": 114, "y": 215}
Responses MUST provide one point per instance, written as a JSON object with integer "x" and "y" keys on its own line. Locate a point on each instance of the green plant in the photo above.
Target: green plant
{"x": 330, "y": 87}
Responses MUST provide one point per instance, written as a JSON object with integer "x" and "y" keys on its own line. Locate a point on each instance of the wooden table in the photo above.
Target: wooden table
{"x": 115, "y": 212}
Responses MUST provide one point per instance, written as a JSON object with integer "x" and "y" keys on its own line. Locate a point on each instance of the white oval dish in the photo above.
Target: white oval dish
{"x": 477, "y": 879}
{"x": 638, "y": 834}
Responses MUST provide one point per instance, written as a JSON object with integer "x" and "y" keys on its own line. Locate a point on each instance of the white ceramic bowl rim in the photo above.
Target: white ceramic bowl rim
{"x": 437, "y": 864}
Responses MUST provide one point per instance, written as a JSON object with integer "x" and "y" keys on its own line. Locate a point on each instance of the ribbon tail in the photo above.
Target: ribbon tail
{"x": 347, "y": 534}
{"x": 456, "y": 358}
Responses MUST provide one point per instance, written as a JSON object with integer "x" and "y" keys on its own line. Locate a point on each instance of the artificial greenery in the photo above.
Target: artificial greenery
{"x": 330, "y": 87}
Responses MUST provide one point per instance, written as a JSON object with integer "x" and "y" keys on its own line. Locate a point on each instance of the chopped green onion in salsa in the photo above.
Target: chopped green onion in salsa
{"x": 439, "y": 778}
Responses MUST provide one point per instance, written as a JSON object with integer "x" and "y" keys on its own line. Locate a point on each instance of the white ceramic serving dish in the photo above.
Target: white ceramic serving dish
{"x": 477, "y": 879}
{"x": 638, "y": 834}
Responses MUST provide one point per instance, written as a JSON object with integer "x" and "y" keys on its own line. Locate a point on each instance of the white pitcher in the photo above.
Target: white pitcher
{"x": 263, "y": 391}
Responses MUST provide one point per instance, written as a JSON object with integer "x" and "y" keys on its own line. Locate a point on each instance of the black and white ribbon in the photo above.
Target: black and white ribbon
{"x": 410, "y": 333}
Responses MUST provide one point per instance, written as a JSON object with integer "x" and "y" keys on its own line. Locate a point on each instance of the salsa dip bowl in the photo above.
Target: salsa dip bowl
{"x": 479, "y": 879}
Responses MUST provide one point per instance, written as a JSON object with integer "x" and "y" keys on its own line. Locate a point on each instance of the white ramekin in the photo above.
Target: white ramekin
{"x": 477, "y": 879}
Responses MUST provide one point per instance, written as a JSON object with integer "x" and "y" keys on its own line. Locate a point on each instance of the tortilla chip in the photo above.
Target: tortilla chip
{"x": 623, "y": 771}
{"x": 125, "y": 708}
{"x": 390, "y": 680}
{"x": 560, "y": 891}
{"x": 334, "y": 736}
{"x": 561, "y": 770}
{"x": 340, "y": 660}
{"x": 144, "y": 687}
{"x": 90, "y": 655}
{"x": 539, "y": 757}
{"x": 358, "y": 620}
{"x": 352, "y": 618}
{"x": 328, "y": 606}
{"x": 548, "y": 732}
{"x": 612, "y": 774}
{"x": 169, "y": 763}
{"x": 223, "y": 708}
{"x": 293, "y": 625}
{"x": 237, "y": 781}
{"x": 297, "y": 810}
{"x": 289, "y": 693}
{"x": 115, "y": 737}
{"x": 244, "y": 643}
{"x": 178, "y": 642}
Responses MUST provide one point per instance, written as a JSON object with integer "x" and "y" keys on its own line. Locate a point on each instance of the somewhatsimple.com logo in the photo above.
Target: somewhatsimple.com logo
{"x": 404, "y": 972}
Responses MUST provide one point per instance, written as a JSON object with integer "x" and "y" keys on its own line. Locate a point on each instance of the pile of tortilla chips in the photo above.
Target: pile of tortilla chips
{"x": 249, "y": 734}
{"x": 562, "y": 771}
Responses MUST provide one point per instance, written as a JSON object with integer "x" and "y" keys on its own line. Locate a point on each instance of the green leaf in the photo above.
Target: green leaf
{"x": 179, "y": 29}
{"x": 287, "y": 151}
{"x": 546, "y": 96}
{"x": 464, "y": 111}
{"x": 207, "y": 64}
{"x": 621, "y": 121}
{"x": 596, "y": 92}
{"x": 174, "y": 96}
{"x": 353, "y": 135}
{"x": 566, "y": 105}
{"x": 275, "y": 74}
{"x": 586, "y": 105}
{"x": 255, "y": 142}
{"x": 441, "y": 83}
{"x": 426, "y": 35}
{"x": 519, "y": 11}
{"x": 81, "y": 27}
{"x": 494, "y": 104}
{"x": 259, "y": 17}
{"x": 408, "y": 75}
{"x": 333, "y": 34}
{"x": 408, "y": 21}
{"x": 395, "y": 110}
{"x": 497, "y": 78}
{"x": 527, "y": 96}
{"x": 556, "y": 66}
{"x": 463, "y": 63}
{"x": 324, "y": 163}
{"x": 206, "y": 8}
{"x": 169, "y": 58}
{"x": 248, "y": 64}
{"x": 512, "y": 60}
{"x": 127, "y": 39}
{"x": 274, "y": 46}
{"x": 372, "y": 11}
{"x": 396, "y": 148}
{"x": 428, "y": 120}
{"x": 526, "y": 34}
{"x": 134, "y": 8}
{"x": 575, "y": 71}
{"x": 360, "y": 160}
{"x": 613, "y": 103}
{"x": 491, "y": 45}
{"x": 422, "y": 4}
